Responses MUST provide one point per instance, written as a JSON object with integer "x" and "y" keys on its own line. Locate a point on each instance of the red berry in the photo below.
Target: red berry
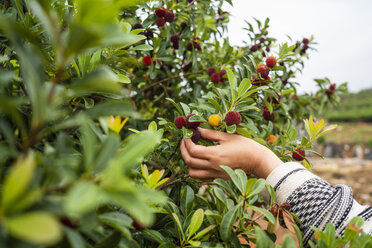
{"x": 183, "y": 25}
{"x": 160, "y": 21}
{"x": 271, "y": 61}
{"x": 191, "y": 124}
{"x": 298, "y": 155}
{"x": 305, "y": 41}
{"x": 215, "y": 77}
{"x": 146, "y": 60}
{"x": 138, "y": 225}
{"x": 175, "y": 38}
{"x": 69, "y": 222}
{"x": 180, "y": 122}
{"x": 254, "y": 48}
{"x": 233, "y": 117}
{"x": 160, "y": 12}
{"x": 211, "y": 70}
{"x": 329, "y": 92}
{"x": 169, "y": 16}
{"x": 267, "y": 115}
{"x": 267, "y": 78}
{"x": 262, "y": 39}
{"x": 222, "y": 72}
{"x": 332, "y": 87}
{"x": 267, "y": 49}
{"x": 263, "y": 70}
{"x": 195, "y": 135}
{"x": 137, "y": 26}
{"x": 189, "y": 46}
{"x": 197, "y": 46}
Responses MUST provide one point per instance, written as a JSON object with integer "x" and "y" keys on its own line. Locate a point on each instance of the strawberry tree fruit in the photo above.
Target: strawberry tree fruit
{"x": 147, "y": 60}
{"x": 169, "y": 16}
{"x": 298, "y": 155}
{"x": 160, "y": 21}
{"x": 160, "y": 12}
{"x": 263, "y": 70}
{"x": 180, "y": 122}
{"x": 271, "y": 139}
{"x": 211, "y": 70}
{"x": 233, "y": 117}
{"x": 214, "y": 120}
{"x": 271, "y": 61}
{"x": 137, "y": 225}
{"x": 195, "y": 135}
{"x": 192, "y": 124}
{"x": 215, "y": 77}
{"x": 267, "y": 115}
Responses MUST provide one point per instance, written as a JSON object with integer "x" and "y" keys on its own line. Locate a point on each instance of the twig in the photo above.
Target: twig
{"x": 170, "y": 78}
{"x": 170, "y": 180}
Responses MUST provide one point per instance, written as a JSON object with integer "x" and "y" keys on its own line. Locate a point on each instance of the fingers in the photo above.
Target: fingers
{"x": 212, "y": 134}
{"x": 197, "y": 151}
{"x": 191, "y": 161}
{"x": 204, "y": 175}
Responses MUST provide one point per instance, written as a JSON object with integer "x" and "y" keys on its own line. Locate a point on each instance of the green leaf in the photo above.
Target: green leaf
{"x": 121, "y": 222}
{"x": 123, "y": 79}
{"x": 234, "y": 178}
{"x": 111, "y": 107}
{"x": 111, "y": 240}
{"x": 39, "y": 228}
{"x": 135, "y": 149}
{"x": 196, "y": 221}
{"x": 187, "y": 200}
{"x": 17, "y": 181}
{"x": 187, "y": 133}
{"x": 232, "y": 82}
{"x": 227, "y": 223}
{"x": 179, "y": 225}
{"x": 265, "y": 212}
{"x": 244, "y": 85}
{"x": 82, "y": 198}
{"x": 74, "y": 238}
{"x": 258, "y": 187}
{"x": 203, "y": 232}
{"x": 101, "y": 80}
{"x": 176, "y": 106}
{"x": 108, "y": 149}
{"x": 288, "y": 242}
{"x": 231, "y": 129}
{"x": 142, "y": 47}
{"x": 185, "y": 108}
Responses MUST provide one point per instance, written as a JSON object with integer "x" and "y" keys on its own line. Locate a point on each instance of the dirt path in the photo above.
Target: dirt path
{"x": 356, "y": 173}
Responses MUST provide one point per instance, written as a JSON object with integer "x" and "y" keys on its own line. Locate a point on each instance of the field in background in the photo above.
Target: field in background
{"x": 354, "y": 107}
{"x": 359, "y": 133}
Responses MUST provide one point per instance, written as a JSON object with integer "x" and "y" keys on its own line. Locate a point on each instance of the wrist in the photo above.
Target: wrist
{"x": 267, "y": 164}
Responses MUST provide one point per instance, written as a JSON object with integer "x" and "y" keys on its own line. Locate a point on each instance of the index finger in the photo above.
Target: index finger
{"x": 197, "y": 151}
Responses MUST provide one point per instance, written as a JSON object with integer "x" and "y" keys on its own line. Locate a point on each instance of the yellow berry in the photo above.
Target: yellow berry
{"x": 214, "y": 120}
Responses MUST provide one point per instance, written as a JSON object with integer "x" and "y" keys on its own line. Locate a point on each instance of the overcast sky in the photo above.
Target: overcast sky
{"x": 342, "y": 29}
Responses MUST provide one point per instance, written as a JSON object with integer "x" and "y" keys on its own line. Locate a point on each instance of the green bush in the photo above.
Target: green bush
{"x": 75, "y": 173}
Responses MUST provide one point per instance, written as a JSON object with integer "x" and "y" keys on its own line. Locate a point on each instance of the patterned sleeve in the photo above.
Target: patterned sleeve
{"x": 315, "y": 201}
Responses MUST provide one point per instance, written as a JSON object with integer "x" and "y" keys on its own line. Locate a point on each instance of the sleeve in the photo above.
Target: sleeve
{"x": 315, "y": 201}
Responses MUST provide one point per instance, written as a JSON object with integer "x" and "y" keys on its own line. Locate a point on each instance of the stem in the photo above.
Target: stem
{"x": 170, "y": 78}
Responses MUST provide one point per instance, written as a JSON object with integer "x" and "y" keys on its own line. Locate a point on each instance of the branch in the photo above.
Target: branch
{"x": 170, "y": 78}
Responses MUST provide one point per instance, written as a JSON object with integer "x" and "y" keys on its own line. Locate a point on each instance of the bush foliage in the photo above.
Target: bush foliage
{"x": 89, "y": 153}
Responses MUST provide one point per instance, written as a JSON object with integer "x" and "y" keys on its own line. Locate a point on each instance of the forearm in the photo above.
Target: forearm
{"x": 315, "y": 201}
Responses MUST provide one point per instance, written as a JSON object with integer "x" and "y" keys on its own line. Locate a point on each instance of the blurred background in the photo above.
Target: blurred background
{"x": 344, "y": 54}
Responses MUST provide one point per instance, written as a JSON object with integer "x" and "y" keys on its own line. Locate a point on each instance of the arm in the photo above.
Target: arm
{"x": 312, "y": 199}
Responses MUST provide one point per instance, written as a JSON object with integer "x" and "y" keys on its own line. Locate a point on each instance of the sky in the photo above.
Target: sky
{"x": 342, "y": 29}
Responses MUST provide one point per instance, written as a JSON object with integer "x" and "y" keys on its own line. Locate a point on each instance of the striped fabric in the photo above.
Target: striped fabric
{"x": 315, "y": 201}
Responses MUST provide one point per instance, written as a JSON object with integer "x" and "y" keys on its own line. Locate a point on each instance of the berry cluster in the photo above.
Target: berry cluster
{"x": 304, "y": 45}
{"x": 217, "y": 76}
{"x": 181, "y": 121}
{"x": 195, "y": 43}
{"x": 163, "y": 15}
{"x": 262, "y": 42}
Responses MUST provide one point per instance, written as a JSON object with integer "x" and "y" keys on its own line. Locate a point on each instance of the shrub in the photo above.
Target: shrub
{"x": 75, "y": 173}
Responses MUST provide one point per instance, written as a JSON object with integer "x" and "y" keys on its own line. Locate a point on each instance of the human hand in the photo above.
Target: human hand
{"x": 232, "y": 150}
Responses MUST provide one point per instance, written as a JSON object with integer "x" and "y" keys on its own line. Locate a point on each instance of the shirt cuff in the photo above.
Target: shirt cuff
{"x": 286, "y": 178}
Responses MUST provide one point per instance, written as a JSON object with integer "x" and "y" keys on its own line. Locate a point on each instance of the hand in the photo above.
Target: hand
{"x": 232, "y": 150}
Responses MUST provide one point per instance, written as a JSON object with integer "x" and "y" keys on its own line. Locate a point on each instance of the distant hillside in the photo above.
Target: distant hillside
{"x": 353, "y": 107}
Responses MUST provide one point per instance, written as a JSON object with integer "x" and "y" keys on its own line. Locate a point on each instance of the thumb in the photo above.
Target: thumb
{"x": 212, "y": 134}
